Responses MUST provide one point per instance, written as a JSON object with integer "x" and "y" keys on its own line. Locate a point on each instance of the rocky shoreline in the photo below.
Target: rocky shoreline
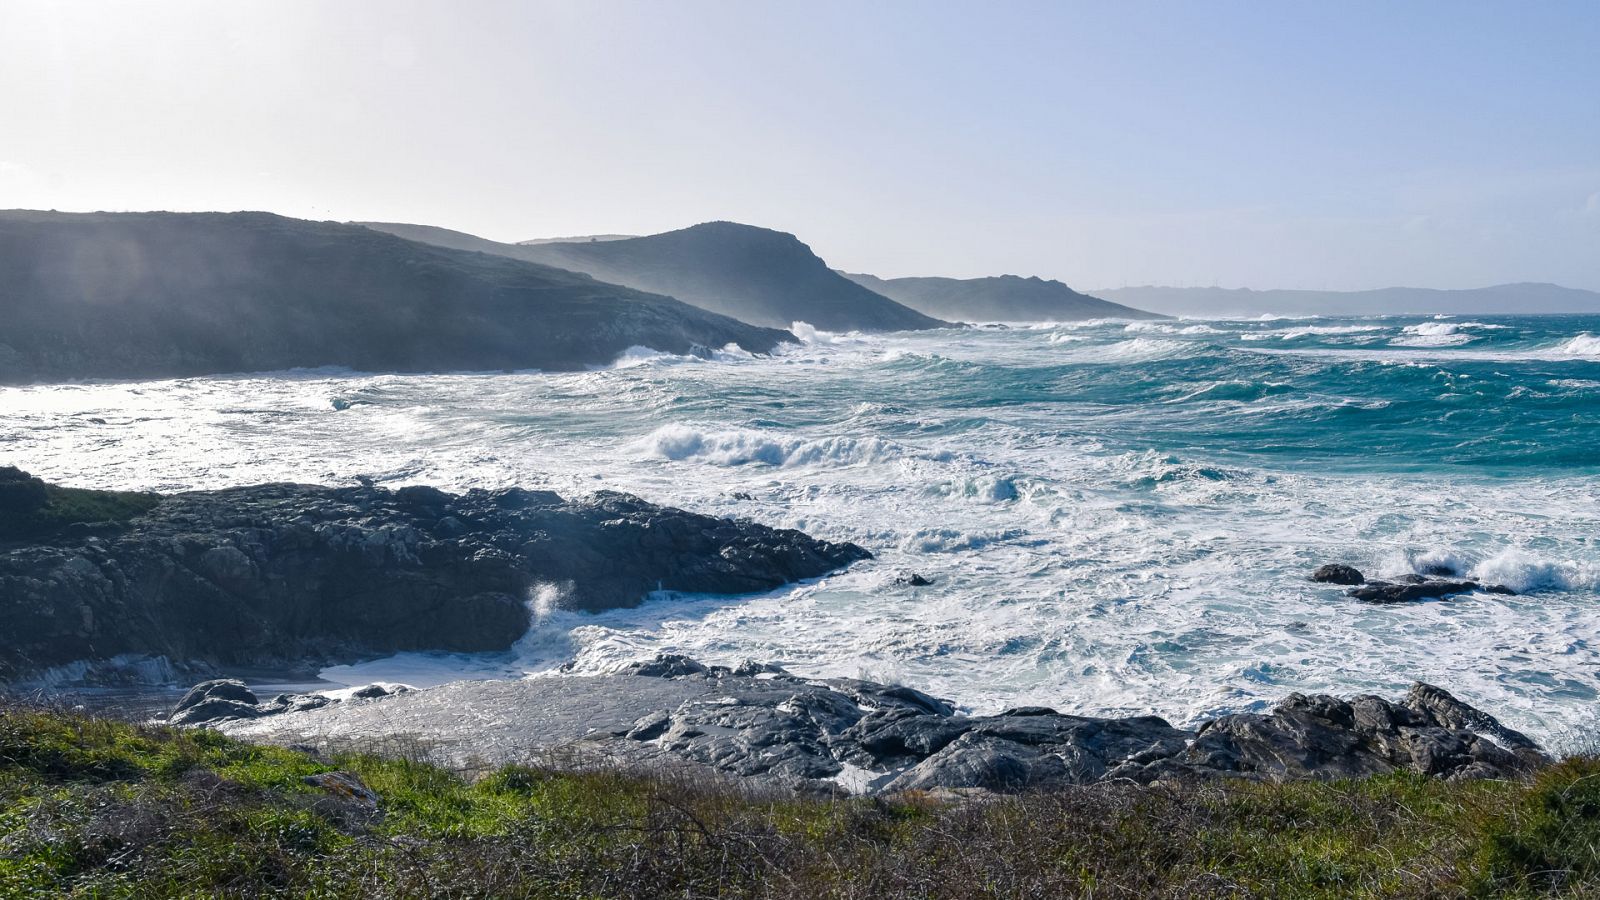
{"x": 764, "y": 726}
{"x": 294, "y": 576}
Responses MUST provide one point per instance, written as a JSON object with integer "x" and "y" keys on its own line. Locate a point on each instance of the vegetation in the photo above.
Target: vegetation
{"x": 31, "y": 509}
{"x": 96, "y": 808}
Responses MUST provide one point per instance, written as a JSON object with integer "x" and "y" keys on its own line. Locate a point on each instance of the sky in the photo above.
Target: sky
{"x": 1339, "y": 145}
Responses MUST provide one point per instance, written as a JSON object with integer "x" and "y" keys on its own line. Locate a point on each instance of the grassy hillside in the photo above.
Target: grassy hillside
{"x": 752, "y": 274}
{"x": 93, "y": 808}
{"x": 135, "y": 295}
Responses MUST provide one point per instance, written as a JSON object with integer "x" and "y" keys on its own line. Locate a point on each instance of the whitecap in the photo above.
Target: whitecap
{"x": 1585, "y": 345}
{"x": 738, "y": 447}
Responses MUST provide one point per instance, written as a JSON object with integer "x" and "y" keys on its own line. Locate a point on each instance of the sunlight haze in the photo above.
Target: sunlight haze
{"x": 1349, "y": 146}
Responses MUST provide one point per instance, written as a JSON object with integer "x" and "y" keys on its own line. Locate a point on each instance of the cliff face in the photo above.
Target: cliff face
{"x": 294, "y": 574}
{"x": 140, "y": 295}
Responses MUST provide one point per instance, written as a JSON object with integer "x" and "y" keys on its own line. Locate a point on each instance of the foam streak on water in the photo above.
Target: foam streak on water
{"x": 1118, "y": 518}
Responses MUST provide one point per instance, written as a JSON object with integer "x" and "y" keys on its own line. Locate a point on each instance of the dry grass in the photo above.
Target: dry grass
{"x": 93, "y": 808}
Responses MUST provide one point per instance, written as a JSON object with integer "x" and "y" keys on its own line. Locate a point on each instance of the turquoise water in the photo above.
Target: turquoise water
{"x": 1118, "y": 517}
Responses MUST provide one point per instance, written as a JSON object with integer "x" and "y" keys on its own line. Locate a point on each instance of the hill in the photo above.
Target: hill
{"x": 149, "y": 295}
{"x": 1525, "y": 297}
{"x": 752, "y": 274}
{"x": 580, "y": 237}
{"x": 1003, "y": 298}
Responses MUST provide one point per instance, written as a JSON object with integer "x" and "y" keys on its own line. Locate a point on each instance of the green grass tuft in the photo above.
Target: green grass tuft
{"x": 31, "y": 509}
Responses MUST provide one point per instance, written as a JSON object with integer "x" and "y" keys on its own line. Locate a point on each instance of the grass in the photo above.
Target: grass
{"x": 31, "y": 509}
{"x": 96, "y": 808}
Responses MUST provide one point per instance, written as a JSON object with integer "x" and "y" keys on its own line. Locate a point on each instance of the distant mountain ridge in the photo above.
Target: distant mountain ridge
{"x": 1000, "y": 298}
{"x": 578, "y": 238}
{"x": 753, "y": 274}
{"x": 149, "y": 295}
{"x": 1523, "y": 297}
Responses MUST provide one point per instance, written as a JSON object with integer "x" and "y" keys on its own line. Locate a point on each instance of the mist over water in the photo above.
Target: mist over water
{"x": 1118, "y": 518}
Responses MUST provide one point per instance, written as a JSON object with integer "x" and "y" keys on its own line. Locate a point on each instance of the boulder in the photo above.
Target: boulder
{"x": 1336, "y": 573}
{"x": 217, "y": 689}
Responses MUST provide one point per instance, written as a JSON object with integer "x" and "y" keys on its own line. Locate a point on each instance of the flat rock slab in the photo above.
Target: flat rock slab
{"x": 467, "y": 724}
{"x": 770, "y": 728}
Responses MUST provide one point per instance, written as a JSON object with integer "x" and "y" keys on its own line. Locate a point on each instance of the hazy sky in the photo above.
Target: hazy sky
{"x": 1329, "y": 145}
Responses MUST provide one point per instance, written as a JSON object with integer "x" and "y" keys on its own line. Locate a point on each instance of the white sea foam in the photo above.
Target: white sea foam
{"x": 1133, "y": 349}
{"x": 738, "y": 447}
{"x": 1584, "y": 345}
{"x": 1166, "y": 328}
{"x": 1524, "y": 571}
{"x": 1290, "y": 334}
{"x": 1080, "y": 559}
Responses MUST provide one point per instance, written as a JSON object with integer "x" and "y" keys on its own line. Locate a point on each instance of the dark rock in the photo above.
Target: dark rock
{"x": 667, "y": 665}
{"x": 973, "y": 761}
{"x": 913, "y": 580}
{"x": 1335, "y": 573}
{"x": 750, "y": 668}
{"x": 1430, "y": 733}
{"x": 370, "y": 692}
{"x": 824, "y": 736}
{"x": 1412, "y": 588}
{"x": 217, "y": 689}
{"x": 215, "y": 710}
{"x": 285, "y": 575}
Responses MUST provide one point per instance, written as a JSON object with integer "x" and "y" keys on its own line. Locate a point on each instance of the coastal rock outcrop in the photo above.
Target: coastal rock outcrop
{"x": 1438, "y": 582}
{"x": 846, "y": 735}
{"x": 1417, "y": 587}
{"x": 293, "y": 575}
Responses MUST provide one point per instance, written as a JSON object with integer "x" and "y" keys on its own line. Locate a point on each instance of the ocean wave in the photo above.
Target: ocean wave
{"x": 1585, "y": 345}
{"x": 1165, "y": 328}
{"x": 1433, "y": 334}
{"x": 738, "y": 447}
{"x": 1232, "y": 389}
{"x": 640, "y": 355}
{"x": 1521, "y": 570}
{"x": 1135, "y": 349}
{"x": 949, "y": 540}
{"x": 983, "y": 488}
{"x": 1290, "y": 334}
{"x": 1525, "y": 572}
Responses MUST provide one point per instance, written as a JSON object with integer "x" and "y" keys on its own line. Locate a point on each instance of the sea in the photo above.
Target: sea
{"x": 1116, "y": 517}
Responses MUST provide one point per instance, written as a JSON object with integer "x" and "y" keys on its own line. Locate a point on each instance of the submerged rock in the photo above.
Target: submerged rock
{"x": 287, "y": 575}
{"x": 846, "y": 735}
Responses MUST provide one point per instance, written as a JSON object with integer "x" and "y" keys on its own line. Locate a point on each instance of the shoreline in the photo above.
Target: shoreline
{"x": 761, "y": 724}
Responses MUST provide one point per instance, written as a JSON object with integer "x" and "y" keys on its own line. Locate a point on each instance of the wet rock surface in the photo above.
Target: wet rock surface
{"x": 286, "y": 575}
{"x": 1420, "y": 588}
{"x": 1439, "y": 581}
{"x": 843, "y": 735}
{"x": 1335, "y": 573}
